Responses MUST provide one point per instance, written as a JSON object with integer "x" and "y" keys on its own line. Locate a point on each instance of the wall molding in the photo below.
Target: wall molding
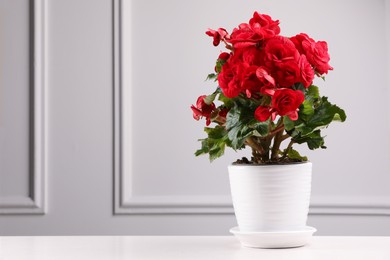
{"x": 348, "y": 205}
{"x": 35, "y": 203}
{"x": 126, "y": 203}
{"x": 175, "y": 205}
{"x": 372, "y": 206}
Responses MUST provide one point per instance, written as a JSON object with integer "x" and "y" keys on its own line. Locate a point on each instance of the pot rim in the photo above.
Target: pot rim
{"x": 270, "y": 165}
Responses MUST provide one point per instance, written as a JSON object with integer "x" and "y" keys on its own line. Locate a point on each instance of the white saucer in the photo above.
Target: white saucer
{"x": 274, "y": 239}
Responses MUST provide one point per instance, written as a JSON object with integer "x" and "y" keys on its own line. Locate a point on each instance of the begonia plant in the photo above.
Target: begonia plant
{"x": 266, "y": 94}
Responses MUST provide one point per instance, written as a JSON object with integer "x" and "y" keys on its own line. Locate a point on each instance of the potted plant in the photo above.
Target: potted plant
{"x": 267, "y": 103}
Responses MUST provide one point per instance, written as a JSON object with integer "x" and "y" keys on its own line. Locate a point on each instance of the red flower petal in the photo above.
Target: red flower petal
{"x": 196, "y": 112}
{"x": 293, "y": 115}
{"x": 262, "y": 113}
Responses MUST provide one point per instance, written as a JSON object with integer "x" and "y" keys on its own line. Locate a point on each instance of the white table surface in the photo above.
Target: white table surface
{"x": 186, "y": 247}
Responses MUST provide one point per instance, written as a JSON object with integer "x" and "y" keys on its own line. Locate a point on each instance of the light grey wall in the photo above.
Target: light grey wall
{"x": 14, "y": 96}
{"x": 80, "y": 116}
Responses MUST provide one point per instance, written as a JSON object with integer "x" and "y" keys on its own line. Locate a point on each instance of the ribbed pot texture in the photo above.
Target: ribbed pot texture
{"x": 271, "y": 197}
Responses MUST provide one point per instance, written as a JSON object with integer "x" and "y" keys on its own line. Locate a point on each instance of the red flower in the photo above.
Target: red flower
{"x": 262, "y": 113}
{"x": 218, "y": 35}
{"x": 250, "y": 55}
{"x": 287, "y": 101}
{"x": 223, "y": 112}
{"x": 267, "y": 81}
{"x": 238, "y": 74}
{"x": 202, "y": 109}
{"x": 249, "y": 82}
{"x": 222, "y": 115}
{"x": 264, "y": 26}
{"x": 282, "y": 58}
{"x": 318, "y": 56}
{"x": 227, "y": 80}
{"x": 307, "y": 72}
{"x": 278, "y": 50}
{"x": 301, "y": 39}
{"x": 260, "y": 27}
{"x": 243, "y": 36}
{"x": 316, "y": 52}
{"x": 224, "y": 56}
{"x": 287, "y": 73}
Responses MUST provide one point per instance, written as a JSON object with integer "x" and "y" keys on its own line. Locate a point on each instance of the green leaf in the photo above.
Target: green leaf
{"x": 210, "y": 98}
{"x": 204, "y": 149}
{"x": 294, "y": 154}
{"x": 312, "y": 93}
{"x": 325, "y": 113}
{"x": 261, "y": 127}
{"x": 228, "y": 102}
{"x": 218, "y": 132}
{"x": 315, "y": 113}
{"x": 233, "y": 135}
{"x": 314, "y": 140}
{"x": 218, "y": 65}
{"x": 240, "y": 124}
{"x": 288, "y": 123}
{"x": 312, "y": 118}
{"x": 339, "y": 118}
{"x": 216, "y": 151}
{"x": 306, "y": 110}
{"x": 215, "y": 143}
{"x": 212, "y": 76}
{"x": 233, "y": 126}
{"x": 233, "y": 117}
{"x": 299, "y": 86}
{"x": 238, "y": 135}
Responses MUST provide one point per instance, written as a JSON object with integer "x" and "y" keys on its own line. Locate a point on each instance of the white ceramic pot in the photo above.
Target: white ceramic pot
{"x": 271, "y": 197}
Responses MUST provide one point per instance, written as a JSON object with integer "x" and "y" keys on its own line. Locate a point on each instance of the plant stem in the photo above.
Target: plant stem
{"x": 254, "y": 145}
{"x": 284, "y": 137}
{"x": 276, "y": 145}
{"x": 276, "y": 130}
{"x": 266, "y": 143}
{"x": 287, "y": 149}
{"x": 220, "y": 120}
